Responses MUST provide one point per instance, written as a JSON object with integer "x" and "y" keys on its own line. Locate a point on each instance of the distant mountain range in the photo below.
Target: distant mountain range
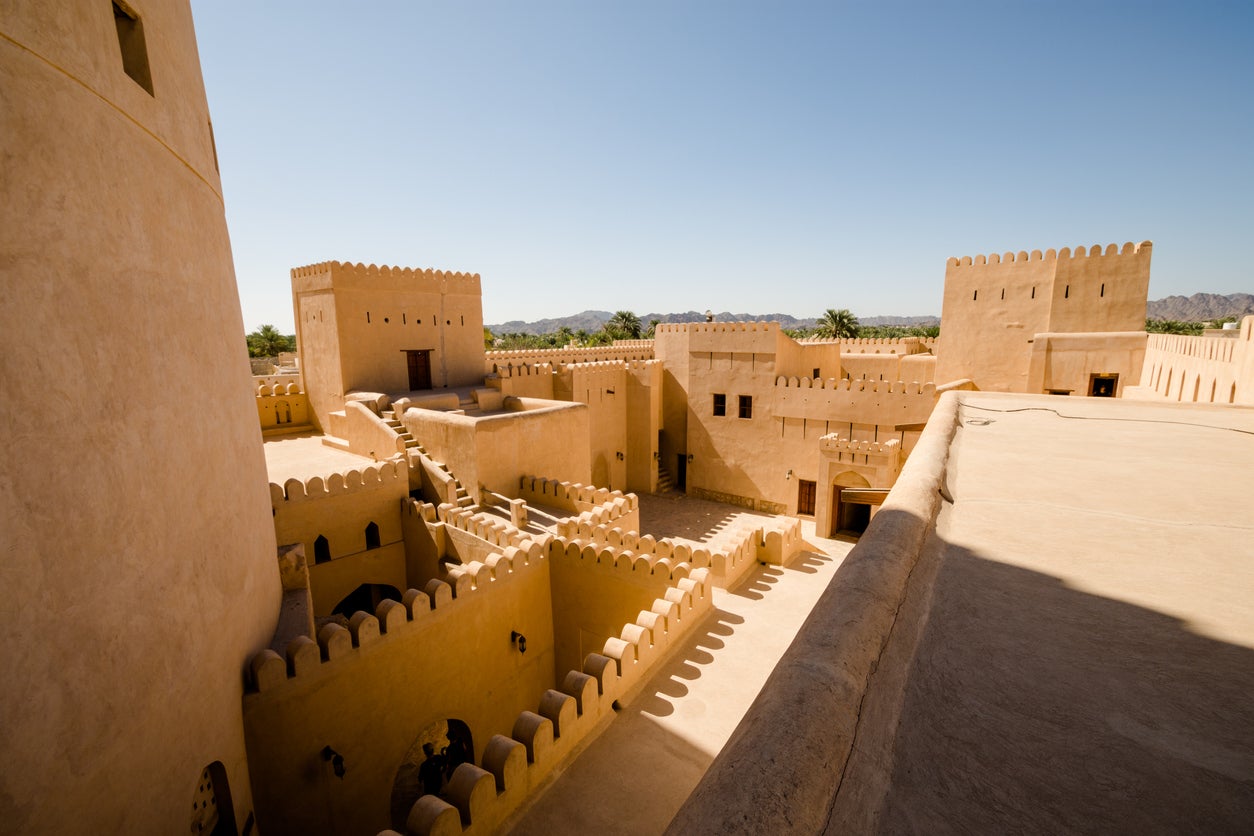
{"x": 593, "y": 321}
{"x": 1199, "y": 307}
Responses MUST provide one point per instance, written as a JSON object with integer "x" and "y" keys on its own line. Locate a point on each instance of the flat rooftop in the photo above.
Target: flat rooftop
{"x": 1074, "y": 649}
{"x": 305, "y": 456}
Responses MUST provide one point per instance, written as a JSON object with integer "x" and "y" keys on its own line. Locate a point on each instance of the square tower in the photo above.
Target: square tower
{"x": 385, "y": 329}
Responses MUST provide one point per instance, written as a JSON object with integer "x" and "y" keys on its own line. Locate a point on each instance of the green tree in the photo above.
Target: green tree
{"x": 624, "y": 325}
{"x": 266, "y": 341}
{"x": 837, "y": 324}
{"x": 1171, "y": 326}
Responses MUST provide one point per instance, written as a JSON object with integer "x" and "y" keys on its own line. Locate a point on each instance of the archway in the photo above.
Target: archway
{"x": 322, "y": 550}
{"x": 212, "y": 811}
{"x": 372, "y": 536}
{"x": 451, "y": 745}
{"x": 366, "y": 597}
{"x": 849, "y": 517}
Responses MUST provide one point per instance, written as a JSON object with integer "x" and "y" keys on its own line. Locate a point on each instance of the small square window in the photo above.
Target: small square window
{"x": 720, "y": 404}
{"x": 746, "y": 406}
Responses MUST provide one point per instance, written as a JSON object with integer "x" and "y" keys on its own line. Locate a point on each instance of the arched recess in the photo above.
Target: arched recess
{"x": 849, "y": 516}
{"x": 282, "y": 412}
{"x": 372, "y": 536}
{"x": 322, "y": 550}
{"x": 367, "y": 598}
{"x": 212, "y": 811}
{"x": 451, "y": 744}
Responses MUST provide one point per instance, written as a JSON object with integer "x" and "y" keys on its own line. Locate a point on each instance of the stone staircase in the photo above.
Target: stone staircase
{"x": 414, "y": 447}
{"x": 665, "y": 483}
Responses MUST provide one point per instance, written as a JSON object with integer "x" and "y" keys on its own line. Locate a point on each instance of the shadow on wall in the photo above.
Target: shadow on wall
{"x": 1031, "y": 705}
{"x": 999, "y": 699}
{"x": 686, "y": 667}
{"x": 700, "y": 520}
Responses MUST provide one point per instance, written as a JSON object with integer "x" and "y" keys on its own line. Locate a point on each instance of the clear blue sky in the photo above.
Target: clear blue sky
{"x": 755, "y": 157}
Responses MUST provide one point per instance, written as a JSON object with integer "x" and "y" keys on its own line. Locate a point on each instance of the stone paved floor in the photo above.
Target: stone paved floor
{"x": 633, "y": 778}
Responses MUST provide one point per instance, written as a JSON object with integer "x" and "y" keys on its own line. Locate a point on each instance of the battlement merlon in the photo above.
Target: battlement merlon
{"x": 1096, "y": 251}
{"x": 370, "y": 477}
{"x": 336, "y": 275}
{"x": 833, "y": 443}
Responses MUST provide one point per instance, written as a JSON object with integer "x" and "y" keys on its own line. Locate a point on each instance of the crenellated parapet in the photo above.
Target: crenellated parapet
{"x": 497, "y": 361}
{"x": 479, "y": 798}
{"x": 892, "y": 387}
{"x": 1096, "y": 251}
{"x": 1206, "y": 369}
{"x": 524, "y": 370}
{"x": 833, "y": 444}
{"x": 371, "y": 477}
{"x": 716, "y": 328}
{"x": 348, "y": 275}
{"x": 601, "y": 504}
{"x": 886, "y": 345}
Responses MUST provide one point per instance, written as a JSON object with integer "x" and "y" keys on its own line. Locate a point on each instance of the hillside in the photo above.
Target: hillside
{"x": 1199, "y": 307}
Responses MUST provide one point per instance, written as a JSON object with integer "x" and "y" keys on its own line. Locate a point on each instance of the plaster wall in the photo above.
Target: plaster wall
{"x": 1067, "y": 361}
{"x": 330, "y": 583}
{"x": 527, "y": 381}
{"x": 155, "y": 501}
{"x": 382, "y": 312}
{"x": 670, "y": 345}
{"x": 619, "y": 350}
{"x": 802, "y": 359}
{"x": 340, "y": 508}
{"x": 372, "y": 703}
{"x": 603, "y": 388}
{"x": 593, "y": 599}
{"x": 994, "y": 306}
{"x": 1202, "y": 369}
{"x": 644, "y": 423}
{"x": 496, "y": 451}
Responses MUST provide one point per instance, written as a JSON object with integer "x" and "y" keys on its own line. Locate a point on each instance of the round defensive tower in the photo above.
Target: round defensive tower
{"x": 138, "y": 567}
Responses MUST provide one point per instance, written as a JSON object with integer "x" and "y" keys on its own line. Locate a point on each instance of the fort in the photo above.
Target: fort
{"x": 1019, "y": 588}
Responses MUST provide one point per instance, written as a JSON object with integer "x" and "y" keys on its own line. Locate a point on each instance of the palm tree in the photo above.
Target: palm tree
{"x": 624, "y": 323}
{"x": 837, "y": 324}
{"x": 266, "y": 341}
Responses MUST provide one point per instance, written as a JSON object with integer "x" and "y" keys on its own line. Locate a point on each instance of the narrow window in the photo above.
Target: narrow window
{"x": 403, "y": 320}
{"x": 322, "y": 550}
{"x": 367, "y": 317}
{"x": 815, "y": 375}
{"x": 463, "y": 320}
{"x": 746, "y": 406}
{"x": 213, "y": 146}
{"x": 720, "y": 405}
{"x": 1103, "y": 293}
{"x": 1066, "y": 292}
{"x": 372, "y": 536}
{"x": 975, "y": 295}
{"x": 1033, "y": 291}
{"x": 1003, "y": 293}
{"x": 131, "y": 40}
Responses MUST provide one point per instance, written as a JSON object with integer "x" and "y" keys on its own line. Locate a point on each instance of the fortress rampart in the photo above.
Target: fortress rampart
{"x": 1216, "y": 369}
{"x": 370, "y": 477}
{"x": 1096, "y": 251}
{"x": 621, "y": 350}
{"x": 297, "y": 700}
{"x": 863, "y": 401}
{"x": 349, "y": 275}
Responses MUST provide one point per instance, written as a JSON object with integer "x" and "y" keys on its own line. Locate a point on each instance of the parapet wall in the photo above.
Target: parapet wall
{"x": 370, "y": 477}
{"x": 862, "y": 401}
{"x": 1096, "y": 251}
{"x": 601, "y": 504}
{"x": 895, "y": 345}
{"x": 1199, "y": 369}
{"x": 818, "y": 688}
{"x": 348, "y": 275}
{"x": 624, "y": 350}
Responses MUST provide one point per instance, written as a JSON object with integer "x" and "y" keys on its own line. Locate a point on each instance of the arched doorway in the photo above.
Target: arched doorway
{"x": 451, "y": 744}
{"x": 212, "y": 811}
{"x": 850, "y": 517}
{"x": 366, "y": 597}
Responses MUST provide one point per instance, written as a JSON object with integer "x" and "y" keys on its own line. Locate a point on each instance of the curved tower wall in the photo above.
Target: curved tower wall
{"x": 138, "y": 557}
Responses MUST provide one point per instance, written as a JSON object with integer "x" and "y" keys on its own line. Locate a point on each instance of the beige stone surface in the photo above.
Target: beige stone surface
{"x": 305, "y": 456}
{"x": 661, "y": 743}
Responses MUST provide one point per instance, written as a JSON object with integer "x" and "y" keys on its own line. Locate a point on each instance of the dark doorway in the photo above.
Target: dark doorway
{"x": 681, "y": 472}
{"x": 806, "y": 493}
{"x": 372, "y": 536}
{"x": 1103, "y": 385}
{"x": 212, "y": 811}
{"x": 419, "y": 362}
{"x": 849, "y": 517}
{"x": 451, "y": 744}
{"x": 366, "y": 598}
{"x": 322, "y": 550}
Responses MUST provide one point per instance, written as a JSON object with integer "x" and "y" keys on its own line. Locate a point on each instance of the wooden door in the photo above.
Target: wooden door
{"x": 419, "y": 369}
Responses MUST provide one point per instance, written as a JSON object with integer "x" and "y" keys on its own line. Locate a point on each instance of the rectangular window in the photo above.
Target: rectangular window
{"x": 131, "y": 41}
{"x": 746, "y": 406}
{"x": 815, "y": 375}
{"x": 720, "y": 404}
